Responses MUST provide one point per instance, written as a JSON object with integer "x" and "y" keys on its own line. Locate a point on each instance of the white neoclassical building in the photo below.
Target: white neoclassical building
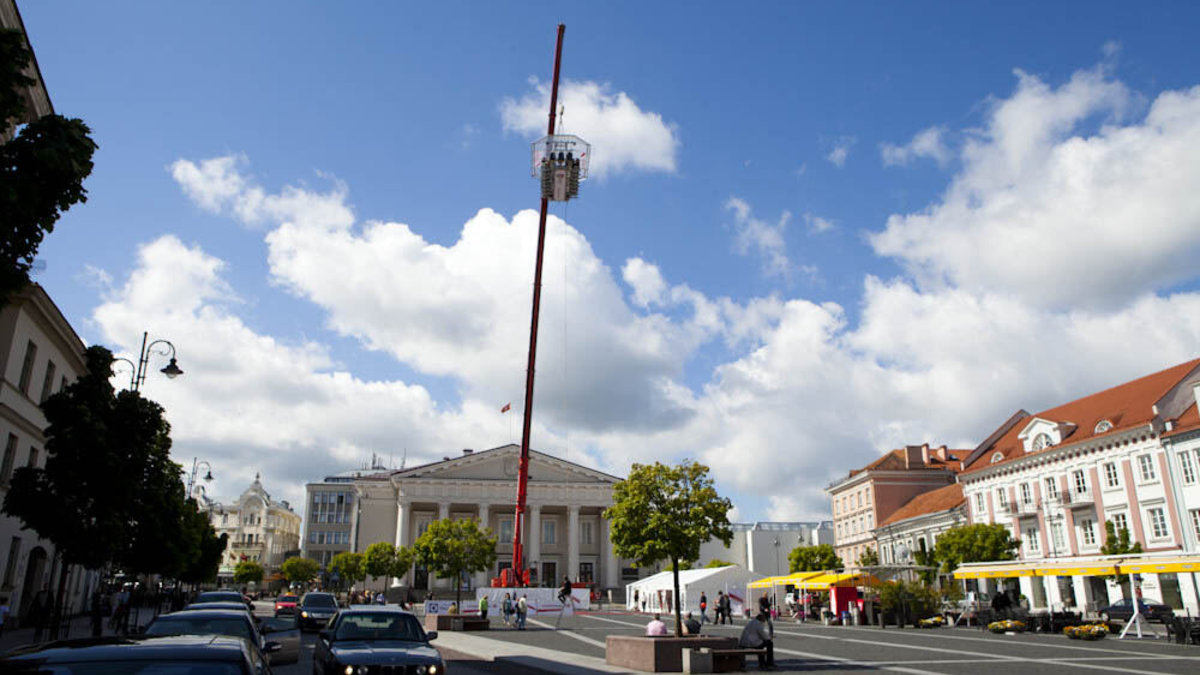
{"x": 564, "y": 531}
{"x": 259, "y": 529}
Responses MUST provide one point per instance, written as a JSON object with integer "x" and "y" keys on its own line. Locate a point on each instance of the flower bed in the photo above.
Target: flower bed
{"x": 1089, "y": 631}
{"x": 932, "y": 622}
{"x": 1006, "y": 626}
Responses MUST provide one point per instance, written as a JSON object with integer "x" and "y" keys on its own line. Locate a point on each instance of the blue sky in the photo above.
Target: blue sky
{"x": 816, "y": 231}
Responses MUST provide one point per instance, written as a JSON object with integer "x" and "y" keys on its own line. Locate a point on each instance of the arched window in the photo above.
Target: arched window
{"x": 1103, "y": 426}
{"x": 997, "y": 457}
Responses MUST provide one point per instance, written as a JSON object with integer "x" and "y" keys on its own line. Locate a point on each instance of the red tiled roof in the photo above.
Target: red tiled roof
{"x": 1125, "y": 406}
{"x": 934, "y": 501}
{"x": 1188, "y": 421}
{"x": 894, "y": 461}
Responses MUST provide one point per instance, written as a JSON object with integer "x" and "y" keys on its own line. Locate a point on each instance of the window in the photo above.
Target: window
{"x": 586, "y": 573}
{"x": 1146, "y": 467}
{"x": 549, "y": 532}
{"x": 979, "y": 503}
{"x": 1103, "y": 426}
{"x": 506, "y": 530}
{"x": 1042, "y": 441}
{"x": 1187, "y": 468}
{"x": 1119, "y": 523}
{"x": 423, "y": 524}
{"x": 586, "y": 533}
{"x": 1080, "y": 482}
{"x": 1002, "y": 497}
{"x": 997, "y": 457}
{"x": 27, "y": 367}
{"x": 1088, "y": 529}
{"x": 10, "y": 567}
{"x": 47, "y": 381}
{"x": 1051, "y": 488}
{"x": 33, "y": 456}
{"x": 1056, "y": 536}
{"x": 1196, "y": 521}
{"x": 1026, "y": 494}
{"x": 1110, "y": 475}
{"x": 10, "y": 456}
{"x": 1032, "y": 544}
{"x": 1158, "y": 523}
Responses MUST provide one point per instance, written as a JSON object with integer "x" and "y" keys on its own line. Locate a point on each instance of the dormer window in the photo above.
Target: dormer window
{"x": 1041, "y": 442}
{"x": 997, "y": 457}
{"x": 1103, "y": 426}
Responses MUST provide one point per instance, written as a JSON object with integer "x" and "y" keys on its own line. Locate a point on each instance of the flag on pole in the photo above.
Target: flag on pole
{"x": 506, "y": 407}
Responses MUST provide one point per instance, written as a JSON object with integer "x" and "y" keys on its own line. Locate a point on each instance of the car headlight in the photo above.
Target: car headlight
{"x": 434, "y": 670}
{"x": 304, "y": 614}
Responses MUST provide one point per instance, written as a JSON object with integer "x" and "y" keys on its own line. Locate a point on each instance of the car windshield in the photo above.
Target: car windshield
{"x": 173, "y": 667}
{"x": 199, "y": 625}
{"x": 320, "y": 601}
{"x": 286, "y": 598}
{"x": 219, "y": 596}
{"x": 378, "y": 626}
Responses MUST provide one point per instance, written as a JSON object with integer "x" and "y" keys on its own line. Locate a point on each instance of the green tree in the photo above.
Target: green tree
{"x": 248, "y": 571}
{"x": 665, "y": 513}
{"x": 452, "y": 548}
{"x": 813, "y": 559}
{"x": 41, "y": 169}
{"x": 715, "y": 562}
{"x": 379, "y": 560}
{"x": 202, "y": 538}
{"x": 350, "y": 567}
{"x": 982, "y": 542}
{"x": 300, "y": 570}
{"x": 1118, "y": 543}
{"x": 869, "y": 558}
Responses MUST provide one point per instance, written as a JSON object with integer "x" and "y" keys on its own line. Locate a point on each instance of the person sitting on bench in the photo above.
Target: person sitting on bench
{"x": 756, "y": 636}
{"x": 690, "y": 625}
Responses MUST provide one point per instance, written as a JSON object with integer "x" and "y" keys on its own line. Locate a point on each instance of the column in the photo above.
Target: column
{"x": 572, "y": 543}
{"x": 402, "y": 516}
{"x": 612, "y": 568}
{"x": 443, "y": 510}
{"x": 533, "y": 538}
{"x": 483, "y": 578}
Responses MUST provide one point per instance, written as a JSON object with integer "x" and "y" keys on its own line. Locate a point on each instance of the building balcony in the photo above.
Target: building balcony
{"x": 1011, "y": 508}
{"x": 1076, "y": 498}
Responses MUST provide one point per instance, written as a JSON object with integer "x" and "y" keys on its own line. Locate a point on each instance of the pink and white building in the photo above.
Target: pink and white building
{"x": 1129, "y": 455}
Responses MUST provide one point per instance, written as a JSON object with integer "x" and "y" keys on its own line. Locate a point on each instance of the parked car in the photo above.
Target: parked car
{"x": 1122, "y": 610}
{"x": 225, "y": 596}
{"x": 376, "y": 639}
{"x": 176, "y": 653}
{"x": 282, "y": 646}
{"x": 316, "y": 609}
{"x": 286, "y": 604}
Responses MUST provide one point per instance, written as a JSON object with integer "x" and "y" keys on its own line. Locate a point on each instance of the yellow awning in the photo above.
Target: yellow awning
{"x": 799, "y": 577}
{"x": 1189, "y": 563}
{"x": 1084, "y": 569}
{"x": 996, "y": 571}
{"x": 765, "y": 583}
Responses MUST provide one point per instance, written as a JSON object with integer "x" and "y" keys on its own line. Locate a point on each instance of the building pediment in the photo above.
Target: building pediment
{"x": 501, "y": 464}
{"x": 1040, "y": 433}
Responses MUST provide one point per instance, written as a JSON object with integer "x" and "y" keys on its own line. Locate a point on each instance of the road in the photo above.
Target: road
{"x": 818, "y": 648}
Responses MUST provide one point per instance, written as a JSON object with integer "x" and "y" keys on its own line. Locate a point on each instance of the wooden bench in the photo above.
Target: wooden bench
{"x": 725, "y": 660}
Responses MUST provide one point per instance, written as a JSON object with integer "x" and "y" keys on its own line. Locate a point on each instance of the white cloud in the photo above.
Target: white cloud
{"x": 760, "y": 237}
{"x": 1057, "y": 213}
{"x": 623, "y": 136}
{"x": 817, "y": 224}
{"x": 646, "y": 280}
{"x": 926, "y": 143}
{"x": 841, "y": 150}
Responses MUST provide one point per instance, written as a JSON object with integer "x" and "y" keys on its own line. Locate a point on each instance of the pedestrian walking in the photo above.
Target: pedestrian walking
{"x": 483, "y": 606}
{"x": 726, "y": 608}
{"x": 39, "y": 612}
{"x": 522, "y": 610}
{"x": 636, "y": 606}
{"x": 507, "y": 609}
{"x": 564, "y": 592}
{"x": 703, "y": 608}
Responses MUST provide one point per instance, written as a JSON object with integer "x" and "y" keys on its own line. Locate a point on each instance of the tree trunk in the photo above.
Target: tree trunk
{"x": 458, "y": 591}
{"x": 678, "y": 608}
{"x": 57, "y": 610}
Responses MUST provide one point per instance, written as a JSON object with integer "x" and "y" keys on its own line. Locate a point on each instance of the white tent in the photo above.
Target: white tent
{"x": 654, "y": 594}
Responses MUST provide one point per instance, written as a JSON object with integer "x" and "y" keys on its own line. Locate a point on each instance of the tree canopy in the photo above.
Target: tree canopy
{"x": 869, "y": 558}
{"x": 248, "y": 571}
{"x": 716, "y": 562}
{"x": 41, "y": 169}
{"x": 452, "y": 548}
{"x": 349, "y": 567}
{"x": 1117, "y": 543}
{"x": 981, "y": 542}
{"x": 665, "y": 513}
{"x": 813, "y": 559}
{"x": 384, "y": 560}
{"x": 300, "y": 570}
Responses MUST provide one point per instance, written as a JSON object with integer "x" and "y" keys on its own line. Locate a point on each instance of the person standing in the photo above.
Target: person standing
{"x": 522, "y": 611}
{"x": 756, "y": 636}
{"x": 506, "y": 608}
{"x": 703, "y": 607}
{"x": 726, "y": 608}
{"x": 483, "y": 606}
{"x": 39, "y": 612}
{"x": 636, "y": 606}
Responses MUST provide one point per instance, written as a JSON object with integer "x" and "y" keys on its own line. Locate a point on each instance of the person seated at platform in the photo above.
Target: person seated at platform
{"x": 756, "y": 635}
{"x": 690, "y": 625}
{"x": 656, "y": 626}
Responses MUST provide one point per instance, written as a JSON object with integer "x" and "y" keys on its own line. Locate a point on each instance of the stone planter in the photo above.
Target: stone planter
{"x": 657, "y": 654}
{"x": 452, "y": 622}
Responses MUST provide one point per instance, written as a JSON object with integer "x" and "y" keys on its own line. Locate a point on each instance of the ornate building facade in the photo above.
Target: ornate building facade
{"x": 259, "y": 529}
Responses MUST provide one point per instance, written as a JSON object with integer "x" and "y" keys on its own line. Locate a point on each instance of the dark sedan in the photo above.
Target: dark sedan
{"x": 373, "y": 640}
{"x": 224, "y": 596}
{"x": 1122, "y": 610}
{"x": 200, "y": 654}
{"x": 316, "y": 609}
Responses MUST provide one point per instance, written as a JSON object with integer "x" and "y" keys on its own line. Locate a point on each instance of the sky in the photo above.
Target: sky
{"x": 813, "y": 231}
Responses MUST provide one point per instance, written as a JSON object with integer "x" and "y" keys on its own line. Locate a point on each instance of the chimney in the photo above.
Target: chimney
{"x": 942, "y": 454}
{"x": 468, "y": 451}
{"x": 914, "y": 456}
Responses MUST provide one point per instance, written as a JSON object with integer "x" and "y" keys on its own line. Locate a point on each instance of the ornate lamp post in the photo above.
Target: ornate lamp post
{"x": 196, "y": 464}
{"x": 138, "y": 376}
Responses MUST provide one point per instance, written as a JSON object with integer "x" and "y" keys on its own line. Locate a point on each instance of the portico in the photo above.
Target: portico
{"x": 565, "y": 532}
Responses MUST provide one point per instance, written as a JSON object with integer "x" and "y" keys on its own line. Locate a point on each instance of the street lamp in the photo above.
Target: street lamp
{"x": 138, "y": 376}
{"x": 196, "y": 464}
